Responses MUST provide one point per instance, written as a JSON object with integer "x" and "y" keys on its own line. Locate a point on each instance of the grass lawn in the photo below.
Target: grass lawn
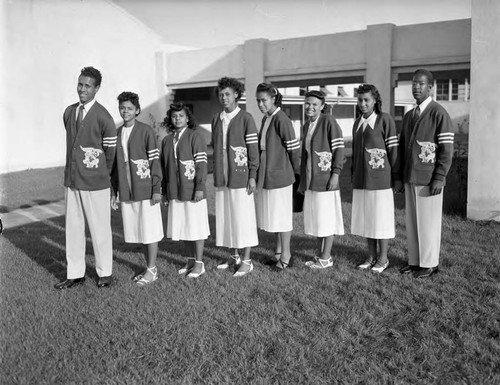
{"x": 296, "y": 327}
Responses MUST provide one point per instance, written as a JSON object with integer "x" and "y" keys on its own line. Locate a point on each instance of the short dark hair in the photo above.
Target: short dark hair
{"x": 93, "y": 73}
{"x": 232, "y": 83}
{"x": 272, "y": 91}
{"x": 176, "y": 107}
{"x": 130, "y": 97}
{"x": 426, "y": 73}
{"x": 318, "y": 95}
{"x": 364, "y": 89}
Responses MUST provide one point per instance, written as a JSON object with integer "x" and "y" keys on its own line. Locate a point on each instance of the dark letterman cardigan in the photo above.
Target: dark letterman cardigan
{"x": 327, "y": 151}
{"x": 90, "y": 153}
{"x": 183, "y": 176}
{"x": 426, "y": 150}
{"x": 282, "y": 153}
{"x": 375, "y": 154}
{"x": 242, "y": 150}
{"x": 144, "y": 163}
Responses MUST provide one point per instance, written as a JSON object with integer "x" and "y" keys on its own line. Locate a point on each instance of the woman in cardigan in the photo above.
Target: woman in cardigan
{"x": 184, "y": 166}
{"x": 136, "y": 180}
{"x": 236, "y": 160}
{"x": 322, "y": 160}
{"x": 374, "y": 162}
{"x": 279, "y": 161}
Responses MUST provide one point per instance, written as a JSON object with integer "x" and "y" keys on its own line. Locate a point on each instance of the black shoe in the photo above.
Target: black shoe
{"x": 66, "y": 284}
{"x": 105, "y": 281}
{"x": 426, "y": 272}
{"x": 409, "y": 269}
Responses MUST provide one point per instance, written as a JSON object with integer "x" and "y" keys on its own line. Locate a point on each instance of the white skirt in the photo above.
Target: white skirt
{"x": 275, "y": 209}
{"x": 373, "y": 213}
{"x": 142, "y": 222}
{"x": 235, "y": 218}
{"x": 187, "y": 221}
{"x": 323, "y": 213}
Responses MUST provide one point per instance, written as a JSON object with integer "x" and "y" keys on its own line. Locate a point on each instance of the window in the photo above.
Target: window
{"x": 452, "y": 89}
{"x": 442, "y": 89}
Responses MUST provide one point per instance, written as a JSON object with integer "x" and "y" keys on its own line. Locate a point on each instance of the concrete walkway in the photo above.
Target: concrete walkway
{"x": 22, "y": 217}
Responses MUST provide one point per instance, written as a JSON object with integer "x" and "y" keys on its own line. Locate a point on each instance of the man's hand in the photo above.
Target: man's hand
{"x": 436, "y": 187}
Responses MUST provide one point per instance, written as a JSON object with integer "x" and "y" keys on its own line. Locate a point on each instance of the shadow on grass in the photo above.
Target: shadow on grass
{"x": 44, "y": 242}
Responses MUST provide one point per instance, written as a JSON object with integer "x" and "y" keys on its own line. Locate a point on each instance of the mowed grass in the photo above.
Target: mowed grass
{"x": 296, "y": 327}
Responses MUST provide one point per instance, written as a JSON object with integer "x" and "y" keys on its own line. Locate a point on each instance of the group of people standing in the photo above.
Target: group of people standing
{"x": 255, "y": 172}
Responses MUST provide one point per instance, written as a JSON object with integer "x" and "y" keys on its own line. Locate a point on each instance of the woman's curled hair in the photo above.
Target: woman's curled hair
{"x": 176, "y": 107}
{"x": 370, "y": 88}
{"x": 232, "y": 83}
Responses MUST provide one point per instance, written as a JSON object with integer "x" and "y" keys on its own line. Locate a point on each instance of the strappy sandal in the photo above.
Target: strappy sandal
{"x": 322, "y": 263}
{"x": 143, "y": 282}
{"x": 235, "y": 260}
{"x": 196, "y": 275}
{"x": 284, "y": 265}
{"x": 139, "y": 276}
{"x": 188, "y": 266}
{"x": 368, "y": 264}
{"x": 312, "y": 262}
{"x": 242, "y": 273}
{"x": 379, "y": 268}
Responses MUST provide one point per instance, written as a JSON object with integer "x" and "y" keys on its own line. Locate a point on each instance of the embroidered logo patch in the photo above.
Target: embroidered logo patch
{"x": 142, "y": 168}
{"x": 240, "y": 156}
{"x": 376, "y": 157}
{"x": 189, "y": 170}
{"x": 325, "y": 160}
{"x": 427, "y": 152}
{"x": 91, "y": 159}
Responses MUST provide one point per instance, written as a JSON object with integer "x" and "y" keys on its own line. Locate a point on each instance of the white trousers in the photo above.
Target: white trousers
{"x": 424, "y": 214}
{"x": 95, "y": 207}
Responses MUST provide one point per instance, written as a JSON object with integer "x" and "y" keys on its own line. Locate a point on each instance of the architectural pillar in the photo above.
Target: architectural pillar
{"x": 379, "y": 62}
{"x": 254, "y": 51}
{"x": 483, "y": 195}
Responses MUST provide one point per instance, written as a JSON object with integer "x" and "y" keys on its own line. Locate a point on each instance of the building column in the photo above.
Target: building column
{"x": 379, "y": 62}
{"x": 483, "y": 191}
{"x": 254, "y": 51}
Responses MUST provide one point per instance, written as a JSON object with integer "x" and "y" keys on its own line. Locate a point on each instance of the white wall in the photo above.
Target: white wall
{"x": 483, "y": 195}
{"x": 47, "y": 44}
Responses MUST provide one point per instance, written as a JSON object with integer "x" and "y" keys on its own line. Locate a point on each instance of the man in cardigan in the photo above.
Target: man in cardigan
{"x": 426, "y": 150}
{"x": 90, "y": 153}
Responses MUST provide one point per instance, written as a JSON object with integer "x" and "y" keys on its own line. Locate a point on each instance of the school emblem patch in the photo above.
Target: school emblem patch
{"x": 427, "y": 152}
{"x": 240, "y": 156}
{"x": 376, "y": 157}
{"x": 142, "y": 168}
{"x": 91, "y": 159}
{"x": 325, "y": 160}
{"x": 189, "y": 170}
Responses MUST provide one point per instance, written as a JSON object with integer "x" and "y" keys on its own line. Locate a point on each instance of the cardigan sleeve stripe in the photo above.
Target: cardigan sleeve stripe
{"x": 109, "y": 141}
{"x": 251, "y": 138}
{"x": 391, "y": 141}
{"x": 200, "y": 157}
{"x": 337, "y": 143}
{"x": 446, "y": 137}
{"x": 292, "y": 145}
